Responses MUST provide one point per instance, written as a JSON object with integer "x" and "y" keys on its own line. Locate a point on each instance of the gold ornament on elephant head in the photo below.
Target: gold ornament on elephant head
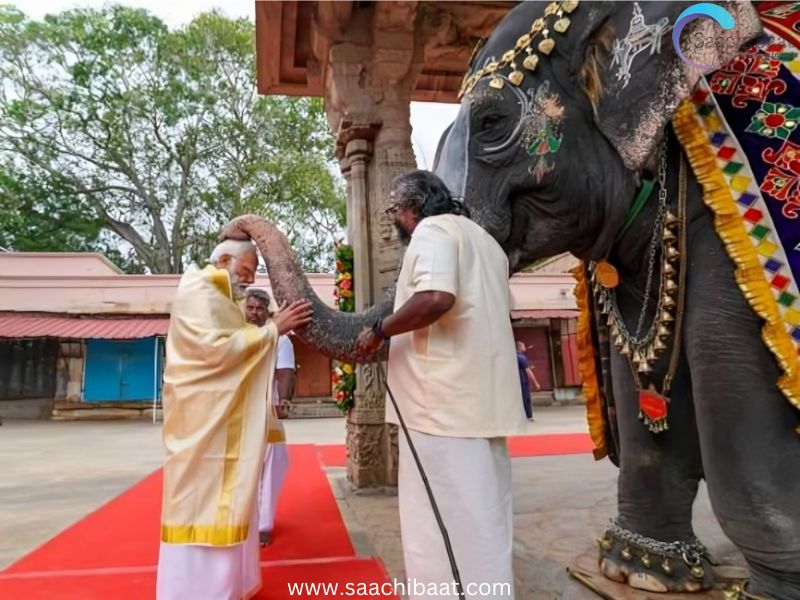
{"x": 524, "y": 44}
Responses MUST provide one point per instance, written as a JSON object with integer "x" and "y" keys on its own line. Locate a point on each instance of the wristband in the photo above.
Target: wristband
{"x": 378, "y": 331}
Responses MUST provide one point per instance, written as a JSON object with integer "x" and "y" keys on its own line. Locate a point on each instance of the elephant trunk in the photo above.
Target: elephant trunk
{"x": 331, "y": 332}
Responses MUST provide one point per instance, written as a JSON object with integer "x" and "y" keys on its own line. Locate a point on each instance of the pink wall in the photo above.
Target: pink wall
{"x": 87, "y": 283}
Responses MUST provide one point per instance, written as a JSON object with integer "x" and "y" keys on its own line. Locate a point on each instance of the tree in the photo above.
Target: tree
{"x": 158, "y": 136}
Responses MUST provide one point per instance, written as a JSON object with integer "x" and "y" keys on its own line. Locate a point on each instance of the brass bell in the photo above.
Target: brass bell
{"x": 666, "y": 567}
{"x": 672, "y": 254}
{"x": 697, "y": 571}
{"x": 646, "y": 560}
{"x": 546, "y": 46}
{"x": 626, "y": 553}
{"x": 618, "y": 343}
{"x": 666, "y": 316}
{"x": 669, "y": 235}
{"x": 625, "y": 350}
{"x": 605, "y": 543}
{"x": 644, "y": 367}
{"x": 651, "y": 354}
{"x": 663, "y": 331}
{"x": 670, "y": 219}
{"x": 670, "y": 285}
{"x": 668, "y": 302}
{"x": 658, "y": 345}
{"x": 530, "y": 62}
{"x": 569, "y": 5}
{"x": 669, "y": 270}
{"x": 561, "y": 25}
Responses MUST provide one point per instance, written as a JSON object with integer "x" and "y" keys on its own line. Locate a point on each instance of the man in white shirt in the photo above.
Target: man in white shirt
{"x": 276, "y": 456}
{"x": 453, "y": 371}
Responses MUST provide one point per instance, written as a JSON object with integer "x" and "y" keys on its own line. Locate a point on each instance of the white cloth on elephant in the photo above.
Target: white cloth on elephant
{"x": 210, "y": 572}
{"x": 276, "y": 455}
{"x": 471, "y": 482}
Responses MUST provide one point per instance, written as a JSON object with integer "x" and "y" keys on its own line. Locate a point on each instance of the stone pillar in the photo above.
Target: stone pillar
{"x": 369, "y": 80}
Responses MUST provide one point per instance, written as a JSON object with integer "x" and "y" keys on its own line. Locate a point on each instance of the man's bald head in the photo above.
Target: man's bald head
{"x": 240, "y": 259}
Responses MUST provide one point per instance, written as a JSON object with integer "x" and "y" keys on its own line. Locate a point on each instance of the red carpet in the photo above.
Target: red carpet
{"x": 522, "y": 446}
{"x": 113, "y": 552}
{"x": 280, "y": 580}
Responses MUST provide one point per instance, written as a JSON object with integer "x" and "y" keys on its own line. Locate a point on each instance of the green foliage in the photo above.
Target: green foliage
{"x": 158, "y": 137}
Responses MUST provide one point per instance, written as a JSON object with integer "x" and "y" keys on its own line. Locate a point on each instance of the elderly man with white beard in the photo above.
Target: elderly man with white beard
{"x": 218, "y": 371}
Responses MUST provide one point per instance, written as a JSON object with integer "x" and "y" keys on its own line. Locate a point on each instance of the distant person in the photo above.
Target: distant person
{"x": 526, "y": 379}
{"x": 215, "y": 381}
{"x": 276, "y": 456}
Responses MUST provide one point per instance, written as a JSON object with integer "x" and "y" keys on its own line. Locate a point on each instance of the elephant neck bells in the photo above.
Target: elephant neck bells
{"x": 644, "y": 349}
{"x": 555, "y": 16}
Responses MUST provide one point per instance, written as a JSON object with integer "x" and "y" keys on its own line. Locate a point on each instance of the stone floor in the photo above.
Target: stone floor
{"x": 561, "y": 505}
{"x": 55, "y": 473}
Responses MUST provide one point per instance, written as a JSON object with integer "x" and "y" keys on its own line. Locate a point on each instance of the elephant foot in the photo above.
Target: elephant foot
{"x": 647, "y": 564}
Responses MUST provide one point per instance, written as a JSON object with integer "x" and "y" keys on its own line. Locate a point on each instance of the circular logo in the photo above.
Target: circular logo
{"x": 703, "y": 10}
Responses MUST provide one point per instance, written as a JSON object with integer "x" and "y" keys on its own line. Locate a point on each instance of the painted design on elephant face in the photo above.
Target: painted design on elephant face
{"x": 640, "y": 37}
{"x": 542, "y": 129}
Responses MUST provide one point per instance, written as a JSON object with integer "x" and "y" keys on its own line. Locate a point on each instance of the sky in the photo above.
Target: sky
{"x": 428, "y": 120}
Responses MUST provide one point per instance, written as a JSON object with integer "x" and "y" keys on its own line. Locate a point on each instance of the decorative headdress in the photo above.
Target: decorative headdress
{"x": 525, "y": 43}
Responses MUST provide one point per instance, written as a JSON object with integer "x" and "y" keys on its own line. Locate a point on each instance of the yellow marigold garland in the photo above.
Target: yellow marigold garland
{"x": 587, "y": 365}
{"x": 728, "y": 223}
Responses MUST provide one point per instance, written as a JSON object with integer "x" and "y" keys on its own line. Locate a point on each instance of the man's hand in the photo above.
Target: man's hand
{"x": 235, "y": 230}
{"x": 367, "y": 343}
{"x": 298, "y": 314}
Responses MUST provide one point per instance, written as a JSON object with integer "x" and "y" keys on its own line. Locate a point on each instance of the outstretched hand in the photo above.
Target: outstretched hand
{"x": 298, "y": 314}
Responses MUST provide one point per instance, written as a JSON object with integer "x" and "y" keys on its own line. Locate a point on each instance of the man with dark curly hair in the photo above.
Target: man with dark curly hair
{"x": 453, "y": 371}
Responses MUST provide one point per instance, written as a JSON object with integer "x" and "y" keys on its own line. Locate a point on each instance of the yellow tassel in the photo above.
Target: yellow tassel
{"x": 729, "y": 226}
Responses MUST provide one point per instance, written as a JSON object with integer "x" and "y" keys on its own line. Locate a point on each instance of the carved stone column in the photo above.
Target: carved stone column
{"x": 368, "y": 83}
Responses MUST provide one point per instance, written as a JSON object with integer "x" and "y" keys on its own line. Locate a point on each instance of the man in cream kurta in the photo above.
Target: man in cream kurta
{"x": 453, "y": 371}
{"x": 218, "y": 371}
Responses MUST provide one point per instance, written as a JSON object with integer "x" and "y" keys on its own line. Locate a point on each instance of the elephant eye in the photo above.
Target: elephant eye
{"x": 491, "y": 122}
{"x": 492, "y": 127}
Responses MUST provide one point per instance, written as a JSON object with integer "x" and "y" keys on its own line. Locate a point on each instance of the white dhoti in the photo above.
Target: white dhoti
{"x": 276, "y": 464}
{"x": 471, "y": 482}
{"x": 210, "y": 572}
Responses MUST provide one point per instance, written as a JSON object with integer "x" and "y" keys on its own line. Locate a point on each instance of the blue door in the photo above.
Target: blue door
{"x": 118, "y": 370}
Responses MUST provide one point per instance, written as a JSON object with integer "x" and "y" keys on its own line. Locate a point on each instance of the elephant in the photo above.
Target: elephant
{"x": 566, "y": 127}
{"x": 567, "y": 112}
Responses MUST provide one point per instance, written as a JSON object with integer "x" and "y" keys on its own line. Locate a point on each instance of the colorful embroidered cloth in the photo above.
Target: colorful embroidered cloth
{"x": 749, "y": 113}
{"x": 741, "y": 133}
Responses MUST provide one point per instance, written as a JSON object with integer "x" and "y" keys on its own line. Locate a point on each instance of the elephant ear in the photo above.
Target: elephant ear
{"x": 635, "y": 79}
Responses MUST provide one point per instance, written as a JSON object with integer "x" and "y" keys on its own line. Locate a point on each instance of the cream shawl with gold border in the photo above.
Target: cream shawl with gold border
{"x": 218, "y": 372}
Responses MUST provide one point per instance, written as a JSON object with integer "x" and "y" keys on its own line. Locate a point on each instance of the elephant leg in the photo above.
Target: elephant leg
{"x": 658, "y": 479}
{"x": 750, "y": 449}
